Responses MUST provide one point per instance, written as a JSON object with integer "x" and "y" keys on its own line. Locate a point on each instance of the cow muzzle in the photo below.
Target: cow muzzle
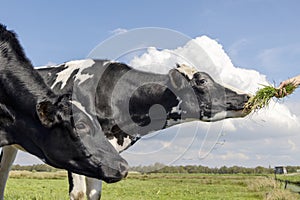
{"x": 112, "y": 175}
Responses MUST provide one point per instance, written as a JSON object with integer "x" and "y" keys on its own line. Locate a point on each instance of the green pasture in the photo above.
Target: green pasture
{"x": 36, "y": 186}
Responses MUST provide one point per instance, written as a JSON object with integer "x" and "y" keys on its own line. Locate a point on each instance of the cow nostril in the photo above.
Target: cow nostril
{"x": 124, "y": 169}
{"x": 125, "y": 175}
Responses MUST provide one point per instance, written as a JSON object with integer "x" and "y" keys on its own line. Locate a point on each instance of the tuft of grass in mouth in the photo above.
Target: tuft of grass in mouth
{"x": 264, "y": 95}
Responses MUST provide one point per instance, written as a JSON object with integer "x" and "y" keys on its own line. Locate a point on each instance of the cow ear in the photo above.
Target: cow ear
{"x": 47, "y": 113}
{"x": 6, "y": 116}
{"x": 177, "y": 80}
{"x": 51, "y": 114}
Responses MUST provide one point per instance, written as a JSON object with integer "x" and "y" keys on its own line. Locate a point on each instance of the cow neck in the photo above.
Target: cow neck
{"x": 162, "y": 96}
{"x": 146, "y": 91}
{"x": 21, "y": 85}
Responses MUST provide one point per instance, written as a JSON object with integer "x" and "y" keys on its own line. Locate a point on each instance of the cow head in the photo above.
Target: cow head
{"x": 76, "y": 137}
{"x": 64, "y": 135}
{"x": 202, "y": 98}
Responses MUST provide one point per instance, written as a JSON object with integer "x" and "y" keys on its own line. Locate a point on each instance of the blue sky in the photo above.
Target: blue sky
{"x": 249, "y": 30}
{"x": 256, "y": 34}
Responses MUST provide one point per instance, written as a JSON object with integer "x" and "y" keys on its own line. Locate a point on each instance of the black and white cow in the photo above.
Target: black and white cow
{"x": 6, "y": 117}
{"x": 131, "y": 103}
{"x": 55, "y": 128}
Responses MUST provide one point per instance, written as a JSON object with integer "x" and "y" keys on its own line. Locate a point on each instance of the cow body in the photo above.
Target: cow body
{"x": 130, "y": 103}
{"x": 50, "y": 126}
{"x": 121, "y": 88}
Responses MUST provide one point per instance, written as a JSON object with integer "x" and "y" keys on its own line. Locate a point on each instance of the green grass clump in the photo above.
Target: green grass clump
{"x": 264, "y": 95}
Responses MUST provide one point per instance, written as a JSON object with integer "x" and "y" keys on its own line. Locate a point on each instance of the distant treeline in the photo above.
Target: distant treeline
{"x": 33, "y": 168}
{"x": 161, "y": 168}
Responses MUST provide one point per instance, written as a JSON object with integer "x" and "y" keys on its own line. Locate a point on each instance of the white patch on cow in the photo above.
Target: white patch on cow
{"x": 224, "y": 114}
{"x": 8, "y": 157}
{"x": 82, "y": 108}
{"x": 79, "y": 187}
{"x": 93, "y": 188}
{"x": 177, "y": 109}
{"x": 172, "y": 122}
{"x": 46, "y": 66}
{"x": 187, "y": 70}
{"x": 217, "y": 116}
{"x": 93, "y": 191}
{"x": 71, "y": 66}
{"x": 119, "y": 148}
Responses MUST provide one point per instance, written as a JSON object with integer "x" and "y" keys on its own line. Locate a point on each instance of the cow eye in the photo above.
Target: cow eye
{"x": 81, "y": 126}
{"x": 201, "y": 81}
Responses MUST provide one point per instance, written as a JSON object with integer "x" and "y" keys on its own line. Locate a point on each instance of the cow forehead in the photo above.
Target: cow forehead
{"x": 82, "y": 109}
{"x": 186, "y": 70}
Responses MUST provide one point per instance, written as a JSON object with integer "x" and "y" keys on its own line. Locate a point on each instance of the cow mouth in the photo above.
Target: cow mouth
{"x": 239, "y": 111}
{"x": 234, "y": 112}
{"x": 111, "y": 172}
{"x": 211, "y": 115}
{"x": 115, "y": 174}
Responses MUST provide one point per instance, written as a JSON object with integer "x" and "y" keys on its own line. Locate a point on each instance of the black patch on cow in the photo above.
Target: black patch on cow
{"x": 6, "y": 116}
{"x": 11, "y": 38}
{"x": 71, "y": 182}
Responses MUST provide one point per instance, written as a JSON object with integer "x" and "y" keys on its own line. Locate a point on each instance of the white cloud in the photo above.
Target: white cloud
{"x": 293, "y": 146}
{"x": 119, "y": 31}
{"x": 234, "y": 155}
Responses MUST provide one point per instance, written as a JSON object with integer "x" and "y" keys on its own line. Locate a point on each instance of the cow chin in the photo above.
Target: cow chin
{"x": 224, "y": 114}
{"x": 106, "y": 173}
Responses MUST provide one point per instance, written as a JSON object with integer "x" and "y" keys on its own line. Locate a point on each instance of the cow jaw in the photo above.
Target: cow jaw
{"x": 223, "y": 115}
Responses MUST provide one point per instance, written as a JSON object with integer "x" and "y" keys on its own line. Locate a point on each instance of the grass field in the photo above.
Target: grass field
{"x": 48, "y": 186}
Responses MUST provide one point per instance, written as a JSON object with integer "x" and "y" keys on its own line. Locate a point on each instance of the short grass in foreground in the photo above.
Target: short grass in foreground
{"x": 36, "y": 189}
{"x": 157, "y": 187}
{"x": 264, "y": 95}
{"x": 25, "y": 185}
{"x": 196, "y": 186}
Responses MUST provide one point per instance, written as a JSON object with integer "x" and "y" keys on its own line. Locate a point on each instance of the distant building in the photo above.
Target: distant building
{"x": 280, "y": 170}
